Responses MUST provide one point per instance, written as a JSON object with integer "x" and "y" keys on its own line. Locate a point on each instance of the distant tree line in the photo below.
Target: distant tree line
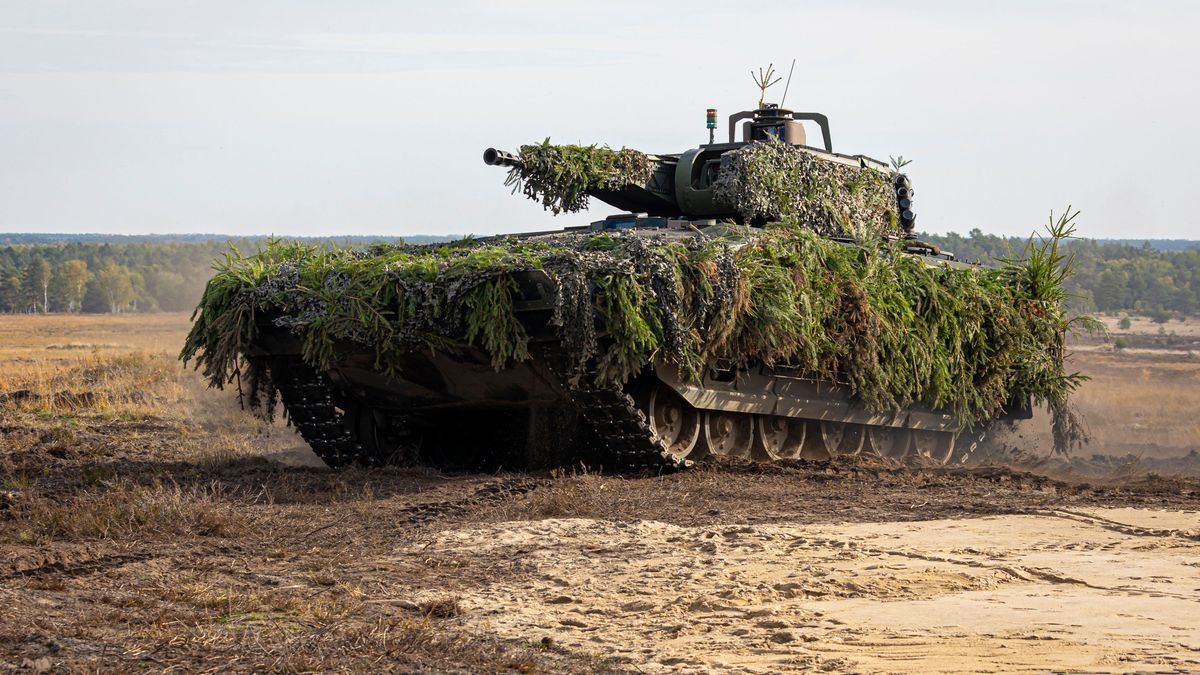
{"x": 88, "y": 277}
{"x": 145, "y": 274}
{"x": 113, "y": 274}
{"x": 1158, "y": 282}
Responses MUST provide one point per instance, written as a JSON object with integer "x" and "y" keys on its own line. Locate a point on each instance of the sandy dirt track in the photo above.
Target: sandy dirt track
{"x": 1096, "y": 590}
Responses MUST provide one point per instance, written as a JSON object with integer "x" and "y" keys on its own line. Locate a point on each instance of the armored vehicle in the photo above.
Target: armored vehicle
{"x": 452, "y": 401}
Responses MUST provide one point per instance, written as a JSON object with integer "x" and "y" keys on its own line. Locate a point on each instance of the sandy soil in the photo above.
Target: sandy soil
{"x": 1097, "y": 589}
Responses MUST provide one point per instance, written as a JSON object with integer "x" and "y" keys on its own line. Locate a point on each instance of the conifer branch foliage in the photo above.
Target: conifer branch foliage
{"x": 895, "y": 330}
{"x": 559, "y": 176}
{"x": 764, "y": 80}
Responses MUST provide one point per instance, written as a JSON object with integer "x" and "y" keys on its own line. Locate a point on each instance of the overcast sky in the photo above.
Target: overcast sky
{"x": 306, "y": 117}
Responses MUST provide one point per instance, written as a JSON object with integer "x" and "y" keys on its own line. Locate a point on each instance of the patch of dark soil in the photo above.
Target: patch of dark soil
{"x": 73, "y": 566}
{"x": 16, "y": 395}
{"x": 428, "y": 645}
{"x": 853, "y": 490}
{"x": 487, "y": 493}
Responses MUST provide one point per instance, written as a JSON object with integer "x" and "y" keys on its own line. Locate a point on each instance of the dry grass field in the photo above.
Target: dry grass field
{"x": 1139, "y": 405}
{"x": 1142, "y": 401}
{"x": 147, "y": 523}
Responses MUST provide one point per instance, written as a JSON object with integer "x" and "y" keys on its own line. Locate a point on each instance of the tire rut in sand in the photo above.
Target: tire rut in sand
{"x": 767, "y": 598}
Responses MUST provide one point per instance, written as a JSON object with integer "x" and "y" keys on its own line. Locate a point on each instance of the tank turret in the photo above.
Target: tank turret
{"x": 699, "y": 183}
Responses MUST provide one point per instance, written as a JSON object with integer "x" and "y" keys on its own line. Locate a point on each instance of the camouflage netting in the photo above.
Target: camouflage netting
{"x": 895, "y": 330}
{"x": 760, "y": 182}
{"x": 559, "y": 176}
{"x": 775, "y": 181}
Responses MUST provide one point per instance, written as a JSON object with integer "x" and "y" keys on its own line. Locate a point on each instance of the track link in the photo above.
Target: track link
{"x": 626, "y": 441}
{"x": 308, "y": 399}
{"x": 624, "y": 434}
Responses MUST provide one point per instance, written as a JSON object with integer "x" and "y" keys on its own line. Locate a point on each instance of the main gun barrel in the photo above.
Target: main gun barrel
{"x": 494, "y": 157}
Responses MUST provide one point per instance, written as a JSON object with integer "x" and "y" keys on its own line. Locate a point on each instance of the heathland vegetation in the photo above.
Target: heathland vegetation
{"x": 90, "y": 274}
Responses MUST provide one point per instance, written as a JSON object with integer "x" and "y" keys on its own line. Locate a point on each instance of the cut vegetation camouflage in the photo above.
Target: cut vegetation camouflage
{"x": 761, "y": 182}
{"x": 559, "y": 176}
{"x": 779, "y": 182}
{"x": 896, "y": 331}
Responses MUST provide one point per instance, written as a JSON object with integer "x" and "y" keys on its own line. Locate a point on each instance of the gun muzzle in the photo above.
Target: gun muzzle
{"x": 494, "y": 157}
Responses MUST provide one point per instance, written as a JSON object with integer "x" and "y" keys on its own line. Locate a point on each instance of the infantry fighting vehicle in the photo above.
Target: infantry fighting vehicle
{"x": 442, "y": 407}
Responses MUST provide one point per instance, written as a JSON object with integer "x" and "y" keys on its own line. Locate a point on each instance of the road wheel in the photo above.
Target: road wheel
{"x": 934, "y": 445}
{"x": 672, "y": 420}
{"x": 729, "y": 434}
{"x": 779, "y": 437}
{"x": 890, "y": 442}
{"x": 838, "y": 438}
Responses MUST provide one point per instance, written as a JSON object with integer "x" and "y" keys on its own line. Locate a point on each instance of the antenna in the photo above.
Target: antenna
{"x": 788, "y": 83}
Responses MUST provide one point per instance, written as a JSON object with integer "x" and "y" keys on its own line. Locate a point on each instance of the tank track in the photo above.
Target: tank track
{"x": 308, "y": 399}
{"x": 625, "y": 439}
{"x": 621, "y": 428}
